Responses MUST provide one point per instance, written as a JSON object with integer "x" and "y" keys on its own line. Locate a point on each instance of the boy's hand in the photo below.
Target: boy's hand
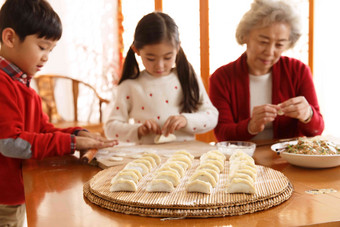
{"x": 85, "y": 143}
{"x": 149, "y": 126}
{"x": 173, "y": 123}
{"x": 96, "y": 136}
{"x": 87, "y": 140}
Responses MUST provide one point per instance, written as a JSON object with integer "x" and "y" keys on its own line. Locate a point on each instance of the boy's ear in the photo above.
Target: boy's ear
{"x": 135, "y": 49}
{"x": 9, "y": 37}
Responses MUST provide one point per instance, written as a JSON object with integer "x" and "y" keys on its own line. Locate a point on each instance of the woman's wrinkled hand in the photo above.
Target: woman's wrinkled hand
{"x": 261, "y": 115}
{"x": 298, "y": 108}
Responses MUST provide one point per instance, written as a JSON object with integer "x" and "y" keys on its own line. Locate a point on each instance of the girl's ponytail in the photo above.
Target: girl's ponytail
{"x": 188, "y": 81}
{"x": 130, "y": 67}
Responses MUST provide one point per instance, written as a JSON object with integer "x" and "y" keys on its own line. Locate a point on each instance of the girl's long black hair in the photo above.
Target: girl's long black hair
{"x": 155, "y": 28}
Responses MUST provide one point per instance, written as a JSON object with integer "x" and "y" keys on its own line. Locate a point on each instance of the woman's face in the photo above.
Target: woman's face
{"x": 265, "y": 46}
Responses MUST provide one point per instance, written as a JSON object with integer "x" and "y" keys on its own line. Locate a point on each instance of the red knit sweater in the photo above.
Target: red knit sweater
{"x": 229, "y": 92}
{"x": 24, "y": 133}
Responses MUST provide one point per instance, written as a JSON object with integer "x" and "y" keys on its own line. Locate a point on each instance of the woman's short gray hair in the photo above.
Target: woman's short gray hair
{"x": 266, "y": 12}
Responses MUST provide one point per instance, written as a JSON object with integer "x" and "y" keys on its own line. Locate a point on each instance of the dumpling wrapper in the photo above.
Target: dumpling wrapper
{"x": 115, "y": 159}
{"x": 137, "y": 166}
{"x": 199, "y": 186}
{"x": 154, "y": 156}
{"x": 160, "y": 185}
{"x": 123, "y": 185}
{"x": 168, "y": 175}
{"x": 240, "y": 185}
{"x": 125, "y": 175}
{"x": 185, "y": 153}
{"x": 203, "y": 176}
{"x": 164, "y": 139}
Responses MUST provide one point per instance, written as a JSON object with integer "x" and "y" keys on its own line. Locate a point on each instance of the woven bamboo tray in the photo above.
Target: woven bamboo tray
{"x": 272, "y": 188}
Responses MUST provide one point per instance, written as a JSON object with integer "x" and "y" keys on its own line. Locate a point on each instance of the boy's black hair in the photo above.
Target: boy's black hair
{"x": 29, "y": 17}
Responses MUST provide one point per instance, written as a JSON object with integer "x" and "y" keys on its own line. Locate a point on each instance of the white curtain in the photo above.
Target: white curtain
{"x": 88, "y": 51}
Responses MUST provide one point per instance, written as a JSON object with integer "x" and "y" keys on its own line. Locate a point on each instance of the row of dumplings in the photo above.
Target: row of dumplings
{"x": 206, "y": 175}
{"x": 242, "y": 173}
{"x": 127, "y": 178}
{"x": 169, "y": 175}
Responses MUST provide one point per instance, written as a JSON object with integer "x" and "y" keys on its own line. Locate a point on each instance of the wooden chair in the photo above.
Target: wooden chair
{"x": 46, "y": 89}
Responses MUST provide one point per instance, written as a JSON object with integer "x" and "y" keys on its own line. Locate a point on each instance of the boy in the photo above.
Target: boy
{"x": 29, "y": 30}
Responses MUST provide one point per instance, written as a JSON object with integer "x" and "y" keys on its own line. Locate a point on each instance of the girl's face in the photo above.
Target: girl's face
{"x": 158, "y": 59}
{"x": 265, "y": 46}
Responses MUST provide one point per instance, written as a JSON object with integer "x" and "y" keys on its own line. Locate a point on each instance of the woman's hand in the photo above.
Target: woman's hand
{"x": 298, "y": 108}
{"x": 87, "y": 140}
{"x": 261, "y": 115}
{"x": 149, "y": 126}
{"x": 173, "y": 123}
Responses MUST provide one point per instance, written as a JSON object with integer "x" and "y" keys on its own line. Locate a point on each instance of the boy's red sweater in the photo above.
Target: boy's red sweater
{"x": 24, "y": 133}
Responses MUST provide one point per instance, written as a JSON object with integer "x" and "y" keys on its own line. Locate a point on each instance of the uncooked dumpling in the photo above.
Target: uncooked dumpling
{"x": 138, "y": 174}
{"x": 145, "y": 162}
{"x": 240, "y": 185}
{"x": 185, "y": 153}
{"x": 209, "y": 166}
{"x": 203, "y": 176}
{"x": 149, "y": 159}
{"x": 199, "y": 186}
{"x": 123, "y": 185}
{"x": 173, "y": 165}
{"x": 126, "y": 175}
{"x": 164, "y": 139}
{"x": 216, "y": 163}
{"x": 137, "y": 166}
{"x": 219, "y": 153}
{"x": 182, "y": 158}
{"x": 168, "y": 168}
{"x": 160, "y": 185}
{"x": 168, "y": 175}
{"x": 154, "y": 156}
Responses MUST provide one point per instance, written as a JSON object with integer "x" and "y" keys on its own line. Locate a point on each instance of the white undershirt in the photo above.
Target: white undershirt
{"x": 260, "y": 94}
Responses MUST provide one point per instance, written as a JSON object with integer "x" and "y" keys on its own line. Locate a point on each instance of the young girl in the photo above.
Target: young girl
{"x": 160, "y": 99}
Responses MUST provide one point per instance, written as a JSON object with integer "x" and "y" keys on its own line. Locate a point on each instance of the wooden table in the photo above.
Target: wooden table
{"x": 54, "y": 197}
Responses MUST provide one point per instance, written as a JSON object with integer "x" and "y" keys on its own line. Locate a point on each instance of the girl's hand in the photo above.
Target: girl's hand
{"x": 86, "y": 142}
{"x": 173, "y": 123}
{"x": 298, "y": 108}
{"x": 149, "y": 126}
{"x": 262, "y": 115}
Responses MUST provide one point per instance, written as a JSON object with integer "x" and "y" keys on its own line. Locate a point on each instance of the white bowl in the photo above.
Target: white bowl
{"x": 305, "y": 160}
{"x": 229, "y": 147}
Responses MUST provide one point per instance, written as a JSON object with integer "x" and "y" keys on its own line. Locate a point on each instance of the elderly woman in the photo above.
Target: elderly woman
{"x": 263, "y": 95}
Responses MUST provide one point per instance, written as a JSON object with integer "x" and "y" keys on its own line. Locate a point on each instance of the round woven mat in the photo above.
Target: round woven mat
{"x": 272, "y": 188}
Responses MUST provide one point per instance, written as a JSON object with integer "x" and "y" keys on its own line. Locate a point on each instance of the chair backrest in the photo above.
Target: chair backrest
{"x": 46, "y": 89}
